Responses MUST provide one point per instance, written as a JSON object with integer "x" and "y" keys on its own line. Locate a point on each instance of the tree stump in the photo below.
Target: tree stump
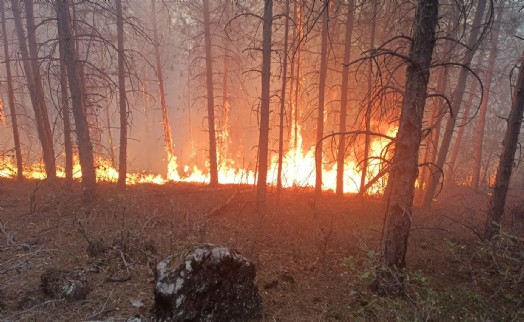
{"x": 209, "y": 283}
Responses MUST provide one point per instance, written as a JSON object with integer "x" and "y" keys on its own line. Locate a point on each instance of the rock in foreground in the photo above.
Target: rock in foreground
{"x": 209, "y": 283}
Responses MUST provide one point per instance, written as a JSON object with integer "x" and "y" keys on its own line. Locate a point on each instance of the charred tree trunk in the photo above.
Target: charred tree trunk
{"x": 321, "y": 99}
{"x": 66, "y": 118}
{"x": 11, "y": 98}
{"x": 341, "y": 153}
{"x": 172, "y": 172}
{"x": 282, "y": 104}
{"x": 32, "y": 74}
{"x": 456, "y": 102}
{"x": 479, "y": 133}
{"x": 369, "y": 105}
{"x": 404, "y": 168}
{"x": 122, "y": 159}
{"x": 509, "y": 147}
{"x": 85, "y": 149}
{"x": 213, "y": 170}
{"x": 263, "y": 141}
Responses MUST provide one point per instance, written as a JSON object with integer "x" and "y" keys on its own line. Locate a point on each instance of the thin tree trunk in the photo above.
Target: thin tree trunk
{"x": 224, "y": 131}
{"x": 263, "y": 141}
{"x": 34, "y": 85}
{"x": 172, "y": 172}
{"x": 350, "y": 20}
{"x": 473, "y": 87}
{"x": 479, "y": 131}
{"x": 64, "y": 96}
{"x": 404, "y": 169}
{"x": 456, "y": 102}
{"x": 11, "y": 98}
{"x": 282, "y": 104}
{"x": 122, "y": 160}
{"x": 213, "y": 171}
{"x": 369, "y": 105}
{"x": 85, "y": 149}
{"x": 509, "y": 147}
{"x": 321, "y": 99}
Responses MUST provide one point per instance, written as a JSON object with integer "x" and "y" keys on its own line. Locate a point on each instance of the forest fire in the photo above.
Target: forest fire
{"x": 298, "y": 170}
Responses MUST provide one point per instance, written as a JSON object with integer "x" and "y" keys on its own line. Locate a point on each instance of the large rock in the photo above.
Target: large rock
{"x": 209, "y": 283}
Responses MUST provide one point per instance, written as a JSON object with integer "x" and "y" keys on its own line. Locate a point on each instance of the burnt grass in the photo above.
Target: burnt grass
{"x": 315, "y": 261}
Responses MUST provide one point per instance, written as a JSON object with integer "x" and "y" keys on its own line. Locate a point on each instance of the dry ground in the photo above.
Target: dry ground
{"x": 314, "y": 262}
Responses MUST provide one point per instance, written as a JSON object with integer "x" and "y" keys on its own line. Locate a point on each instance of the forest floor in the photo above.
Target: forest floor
{"x": 314, "y": 262}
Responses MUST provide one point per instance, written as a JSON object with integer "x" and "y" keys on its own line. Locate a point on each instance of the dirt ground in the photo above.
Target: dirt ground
{"x": 314, "y": 261}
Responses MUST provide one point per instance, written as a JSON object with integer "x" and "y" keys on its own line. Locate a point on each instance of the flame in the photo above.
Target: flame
{"x": 298, "y": 169}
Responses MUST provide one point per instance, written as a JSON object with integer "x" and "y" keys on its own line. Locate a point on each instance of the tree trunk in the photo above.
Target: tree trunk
{"x": 11, "y": 98}
{"x": 213, "y": 170}
{"x": 85, "y": 149}
{"x": 172, "y": 172}
{"x": 321, "y": 99}
{"x": 350, "y": 20}
{"x": 456, "y": 101}
{"x": 473, "y": 87}
{"x": 509, "y": 147}
{"x": 283, "y": 104}
{"x": 479, "y": 133}
{"x": 369, "y": 105}
{"x": 66, "y": 118}
{"x": 32, "y": 74}
{"x": 404, "y": 168}
{"x": 122, "y": 159}
{"x": 263, "y": 141}
{"x": 341, "y": 153}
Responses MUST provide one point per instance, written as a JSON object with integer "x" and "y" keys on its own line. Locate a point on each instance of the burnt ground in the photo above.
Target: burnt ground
{"x": 314, "y": 261}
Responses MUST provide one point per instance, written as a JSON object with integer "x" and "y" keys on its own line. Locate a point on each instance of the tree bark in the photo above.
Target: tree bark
{"x": 473, "y": 87}
{"x": 479, "y": 131}
{"x": 509, "y": 148}
{"x": 66, "y": 117}
{"x": 283, "y": 103}
{"x": 172, "y": 172}
{"x": 11, "y": 98}
{"x": 122, "y": 159}
{"x": 341, "y": 153}
{"x": 263, "y": 141}
{"x": 369, "y": 105}
{"x": 36, "y": 92}
{"x": 321, "y": 99}
{"x": 456, "y": 101}
{"x": 85, "y": 149}
{"x": 404, "y": 168}
{"x": 213, "y": 170}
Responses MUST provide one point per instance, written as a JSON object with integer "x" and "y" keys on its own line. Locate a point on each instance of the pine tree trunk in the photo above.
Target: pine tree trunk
{"x": 85, "y": 149}
{"x": 341, "y": 153}
{"x": 369, "y": 105}
{"x": 481, "y": 124}
{"x": 213, "y": 170}
{"x": 36, "y": 92}
{"x": 473, "y": 87}
{"x": 404, "y": 168}
{"x": 509, "y": 148}
{"x": 11, "y": 98}
{"x": 283, "y": 104}
{"x": 122, "y": 160}
{"x": 263, "y": 141}
{"x": 172, "y": 172}
{"x": 66, "y": 117}
{"x": 456, "y": 102}
{"x": 321, "y": 99}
